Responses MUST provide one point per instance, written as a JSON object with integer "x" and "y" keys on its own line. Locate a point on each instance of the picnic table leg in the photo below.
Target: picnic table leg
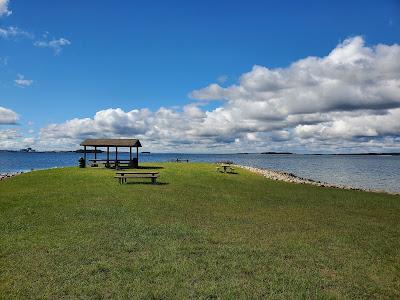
{"x": 153, "y": 180}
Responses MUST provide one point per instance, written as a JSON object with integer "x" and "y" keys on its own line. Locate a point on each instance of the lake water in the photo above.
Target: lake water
{"x": 374, "y": 172}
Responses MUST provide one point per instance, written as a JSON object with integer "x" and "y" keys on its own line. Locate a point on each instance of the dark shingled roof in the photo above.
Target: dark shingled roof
{"x": 112, "y": 143}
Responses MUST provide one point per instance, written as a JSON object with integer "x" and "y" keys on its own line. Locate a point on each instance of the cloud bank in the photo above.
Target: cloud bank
{"x": 7, "y": 116}
{"x": 346, "y": 101}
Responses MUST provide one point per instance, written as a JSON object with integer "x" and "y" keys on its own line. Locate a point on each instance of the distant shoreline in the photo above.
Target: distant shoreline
{"x": 240, "y": 153}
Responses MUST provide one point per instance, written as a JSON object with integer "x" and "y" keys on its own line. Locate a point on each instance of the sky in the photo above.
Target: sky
{"x": 201, "y": 76}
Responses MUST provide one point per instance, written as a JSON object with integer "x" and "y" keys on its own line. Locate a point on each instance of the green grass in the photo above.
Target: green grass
{"x": 76, "y": 233}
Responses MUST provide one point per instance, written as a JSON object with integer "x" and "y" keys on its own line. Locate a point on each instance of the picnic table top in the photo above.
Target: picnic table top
{"x": 134, "y": 172}
{"x": 137, "y": 176}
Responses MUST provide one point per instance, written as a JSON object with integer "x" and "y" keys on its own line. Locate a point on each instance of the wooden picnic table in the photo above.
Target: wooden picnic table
{"x": 182, "y": 160}
{"x": 225, "y": 167}
{"x": 112, "y": 163}
{"x": 124, "y": 175}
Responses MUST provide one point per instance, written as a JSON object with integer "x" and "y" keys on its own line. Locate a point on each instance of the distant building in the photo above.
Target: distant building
{"x": 29, "y": 149}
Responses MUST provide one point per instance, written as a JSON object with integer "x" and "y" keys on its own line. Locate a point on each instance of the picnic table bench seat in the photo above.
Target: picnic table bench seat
{"x": 112, "y": 163}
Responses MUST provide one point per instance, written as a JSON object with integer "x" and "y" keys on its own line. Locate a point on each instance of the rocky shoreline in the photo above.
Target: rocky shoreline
{"x": 292, "y": 178}
{"x": 9, "y": 175}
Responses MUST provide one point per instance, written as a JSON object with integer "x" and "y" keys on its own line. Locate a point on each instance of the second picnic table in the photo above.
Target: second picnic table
{"x": 225, "y": 168}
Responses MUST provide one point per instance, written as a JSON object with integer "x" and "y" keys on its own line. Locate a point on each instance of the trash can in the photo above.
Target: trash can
{"x": 133, "y": 163}
{"x": 82, "y": 162}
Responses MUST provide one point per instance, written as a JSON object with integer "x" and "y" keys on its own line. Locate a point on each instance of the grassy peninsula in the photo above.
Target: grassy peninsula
{"x": 77, "y": 233}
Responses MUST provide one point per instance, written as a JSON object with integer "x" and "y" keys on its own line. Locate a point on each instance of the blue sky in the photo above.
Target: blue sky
{"x": 151, "y": 54}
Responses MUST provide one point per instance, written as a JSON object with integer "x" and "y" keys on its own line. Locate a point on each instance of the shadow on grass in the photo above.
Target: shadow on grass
{"x": 229, "y": 173}
{"x": 149, "y": 167}
{"x": 121, "y": 168}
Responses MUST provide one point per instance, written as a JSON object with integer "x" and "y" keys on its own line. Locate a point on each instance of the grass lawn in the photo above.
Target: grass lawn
{"x": 77, "y": 233}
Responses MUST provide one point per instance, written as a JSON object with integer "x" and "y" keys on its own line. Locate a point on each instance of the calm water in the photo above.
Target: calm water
{"x": 375, "y": 172}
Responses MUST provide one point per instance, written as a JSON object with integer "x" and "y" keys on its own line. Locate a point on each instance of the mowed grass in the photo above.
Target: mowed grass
{"x": 77, "y": 233}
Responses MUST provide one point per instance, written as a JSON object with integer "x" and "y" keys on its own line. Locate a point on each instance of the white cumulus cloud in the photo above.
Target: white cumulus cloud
{"x": 7, "y": 116}
{"x": 351, "y": 77}
{"x": 4, "y": 10}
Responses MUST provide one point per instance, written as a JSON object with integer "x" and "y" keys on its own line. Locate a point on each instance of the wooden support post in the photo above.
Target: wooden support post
{"x": 95, "y": 154}
{"x": 130, "y": 154}
{"x": 137, "y": 157}
{"x": 108, "y": 155}
{"x": 116, "y": 157}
